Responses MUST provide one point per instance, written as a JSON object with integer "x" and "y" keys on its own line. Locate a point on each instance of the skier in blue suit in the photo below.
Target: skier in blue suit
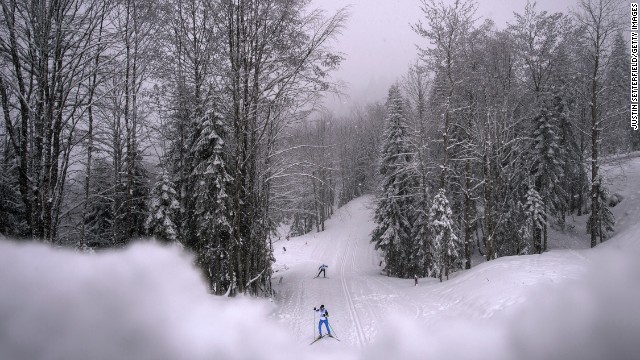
{"x": 324, "y": 314}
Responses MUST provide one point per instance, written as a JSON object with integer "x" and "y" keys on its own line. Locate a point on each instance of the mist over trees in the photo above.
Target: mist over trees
{"x": 199, "y": 122}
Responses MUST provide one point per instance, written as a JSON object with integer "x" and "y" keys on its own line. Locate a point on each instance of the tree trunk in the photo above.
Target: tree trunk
{"x": 595, "y": 191}
{"x": 468, "y": 203}
{"x": 488, "y": 198}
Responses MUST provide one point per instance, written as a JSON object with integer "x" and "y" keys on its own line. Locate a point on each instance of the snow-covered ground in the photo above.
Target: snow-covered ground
{"x": 573, "y": 303}
{"x": 148, "y": 302}
{"x": 622, "y": 177}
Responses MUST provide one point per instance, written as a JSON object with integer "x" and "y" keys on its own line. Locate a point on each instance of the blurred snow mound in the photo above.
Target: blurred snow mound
{"x": 145, "y": 302}
{"x": 149, "y": 302}
{"x": 594, "y": 317}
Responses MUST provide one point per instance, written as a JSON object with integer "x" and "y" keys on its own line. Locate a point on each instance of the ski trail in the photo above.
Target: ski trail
{"x": 347, "y": 294}
{"x": 361, "y": 298}
{"x": 362, "y": 246}
{"x": 358, "y": 297}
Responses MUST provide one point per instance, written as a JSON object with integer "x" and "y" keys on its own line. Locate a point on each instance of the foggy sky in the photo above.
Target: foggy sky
{"x": 379, "y": 45}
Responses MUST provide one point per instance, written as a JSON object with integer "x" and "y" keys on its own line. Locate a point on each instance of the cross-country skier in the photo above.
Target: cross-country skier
{"x": 324, "y": 314}
{"x": 321, "y": 269}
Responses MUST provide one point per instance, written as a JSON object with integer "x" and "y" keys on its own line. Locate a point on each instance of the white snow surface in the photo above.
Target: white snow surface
{"x": 149, "y": 302}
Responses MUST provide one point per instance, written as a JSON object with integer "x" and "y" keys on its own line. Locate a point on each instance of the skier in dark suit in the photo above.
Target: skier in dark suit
{"x": 322, "y": 269}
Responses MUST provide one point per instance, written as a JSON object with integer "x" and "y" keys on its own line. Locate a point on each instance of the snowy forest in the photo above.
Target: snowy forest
{"x": 201, "y": 123}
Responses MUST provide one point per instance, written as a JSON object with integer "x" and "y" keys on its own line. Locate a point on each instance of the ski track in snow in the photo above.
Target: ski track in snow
{"x": 353, "y": 314}
{"x": 360, "y": 298}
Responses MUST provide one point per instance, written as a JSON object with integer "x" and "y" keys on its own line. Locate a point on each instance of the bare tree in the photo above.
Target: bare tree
{"x": 600, "y": 21}
{"x": 48, "y": 47}
{"x": 446, "y": 27}
{"x": 539, "y": 38}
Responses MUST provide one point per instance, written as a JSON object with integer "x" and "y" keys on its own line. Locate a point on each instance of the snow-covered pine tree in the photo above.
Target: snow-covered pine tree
{"x": 164, "y": 211}
{"x": 605, "y": 219}
{"x": 574, "y": 176}
{"x": 548, "y": 161}
{"x": 209, "y": 222}
{"x": 395, "y": 211}
{"x": 511, "y": 214}
{"x": 417, "y": 85}
{"x": 420, "y": 236}
{"x": 446, "y": 248}
{"x": 535, "y": 216}
{"x": 524, "y": 234}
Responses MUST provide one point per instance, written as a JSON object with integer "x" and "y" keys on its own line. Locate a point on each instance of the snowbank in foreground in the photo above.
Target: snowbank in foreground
{"x": 147, "y": 302}
{"x": 595, "y": 317}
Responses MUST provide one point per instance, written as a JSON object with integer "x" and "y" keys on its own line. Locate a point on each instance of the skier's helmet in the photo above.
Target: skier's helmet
{"x": 321, "y": 306}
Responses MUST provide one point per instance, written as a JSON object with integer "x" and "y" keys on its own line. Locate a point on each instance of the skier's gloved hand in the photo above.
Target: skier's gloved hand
{"x": 314, "y": 308}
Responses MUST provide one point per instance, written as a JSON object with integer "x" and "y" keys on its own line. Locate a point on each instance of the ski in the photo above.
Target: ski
{"x": 318, "y": 338}
{"x": 324, "y": 336}
{"x": 333, "y": 337}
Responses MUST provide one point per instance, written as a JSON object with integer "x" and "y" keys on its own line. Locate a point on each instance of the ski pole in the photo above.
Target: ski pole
{"x": 332, "y": 329}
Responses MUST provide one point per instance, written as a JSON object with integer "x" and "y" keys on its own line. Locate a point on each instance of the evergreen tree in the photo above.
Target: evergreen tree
{"x": 548, "y": 161}
{"x": 524, "y": 234}
{"x": 395, "y": 211}
{"x": 164, "y": 211}
{"x": 420, "y": 236}
{"x": 512, "y": 218}
{"x": 572, "y": 188}
{"x": 605, "y": 219}
{"x": 535, "y": 217}
{"x": 446, "y": 248}
{"x": 208, "y": 219}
